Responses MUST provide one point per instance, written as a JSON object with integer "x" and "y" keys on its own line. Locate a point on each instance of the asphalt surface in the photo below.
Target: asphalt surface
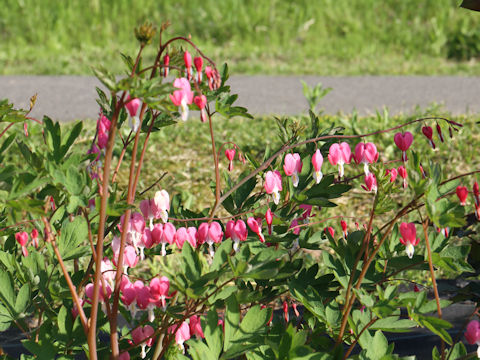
{"x": 68, "y": 98}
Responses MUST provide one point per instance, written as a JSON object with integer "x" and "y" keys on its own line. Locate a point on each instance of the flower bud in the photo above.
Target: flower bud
{"x": 145, "y": 33}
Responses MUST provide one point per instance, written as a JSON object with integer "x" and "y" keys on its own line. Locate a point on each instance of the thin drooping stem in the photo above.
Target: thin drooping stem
{"x": 287, "y": 147}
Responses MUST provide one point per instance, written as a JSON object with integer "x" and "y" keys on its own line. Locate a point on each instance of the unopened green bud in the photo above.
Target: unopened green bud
{"x": 145, "y": 33}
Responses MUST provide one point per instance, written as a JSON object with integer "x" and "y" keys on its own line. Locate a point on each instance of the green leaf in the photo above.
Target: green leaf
{"x": 378, "y": 347}
{"x": 70, "y": 139}
{"x": 43, "y": 349}
{"x": 232, "y": 319}
{"x": 6, "y": 291}
{"x": 73, "y": 234}
{"x": 221, "y": 255}
{"x": 199, "y": 351}
{"x": 213, "y": 334}
{"x": 23, "y": 299}
{"x": 393, "y": 324}
{"x": 458, "y": 351}
{"x": 223, "y": 294}
{"x": 191, "y": 265}
{"x": 105, "y": 77}
{"x": 435, "y": 325}
{"x": 255, "y": 319}
{"x": 75, "y": 181}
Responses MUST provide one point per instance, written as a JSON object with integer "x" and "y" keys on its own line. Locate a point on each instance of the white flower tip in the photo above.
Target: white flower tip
{"x": 134, "y": 123}
{"x": 235, "y": 245}
{"x": 164, "y": 251}
{"x": 184, "y": 111}
{"x": 317, "y": 176}
{"x": 409, "y": 250}
{"x": 340, "y": 169}
{"x": 164, "y": 216}
{"x": 151, "y": 315}
{"x": 295, "y": 179}
{"x": 276, "y": 197}
{"x": 211, "y": 251}
{"x": 366, "y": 169}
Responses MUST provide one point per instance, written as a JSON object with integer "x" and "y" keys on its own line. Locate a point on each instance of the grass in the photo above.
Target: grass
{"x": 328, "y": 37}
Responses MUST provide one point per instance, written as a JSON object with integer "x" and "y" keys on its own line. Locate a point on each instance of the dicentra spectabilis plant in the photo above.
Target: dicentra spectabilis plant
{"x": 121, "y": 272}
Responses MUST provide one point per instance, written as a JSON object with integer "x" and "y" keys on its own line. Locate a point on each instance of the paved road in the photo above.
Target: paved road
{"x": 73, "y": 97}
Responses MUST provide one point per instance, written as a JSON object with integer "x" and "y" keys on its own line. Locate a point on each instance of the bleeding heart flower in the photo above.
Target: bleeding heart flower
{"x": 317, "y": 162}
{"x": 108, "y": 272}
{"x": 473, "y": 332}
{"x": 366, "y": 154}
{"x": 428, "y": 132}
{"x": 182, "y": 334}
{"x": 344, "y": 226}
{"x": 476, "y": 192}
{"x": 209, "y": 73}
{"x": 143, "y": 336}
{"x": 255, "y": 224}
{"x": 330, "y": 230}
{"x": 198, "y": 62}
{"x": 201, "y": 102}
{"x": 292, "y": 167}
{"x": 183, "y": 234}
{"x": 403, "y": 142}
{"x": 340, "y": 154}
{"x": 102, "y": 292}
{"x": 409, "y": 237}
{"x": 195, "y": 326}
{"x": 472, "y": 335}
{"x": 22, "y": 239}
{"x": 230, "y": 154}
{"x": 462, "y": 193}
{"x": 129, "y": 297}
{"x": 403, "y": 174}
{"x": 307, "y": 213}
{"x": 187, "y": 58}
{"x": 183, "y": 97}
{"x": 294, "y": 225}
{"x": 269, "y": 219}
{"x": 237, "y": 231}
{"x": 34, "y": 236}
{"x": 142, "y": 295}
{"x": 130, "y": 258}
{"x": 370, "y": 183}
{"x": 166, "y": 62}
{"x": 273, "y": 185}
{"x": 393, "y": 174}
{"x": 285, "y": 311}
{"x": 476, "y": 195}
{"x": 211, "y": 234}
{"x": 132, "y": 106}
{"x": 161, "y": 205}
{"x": 159, "y": 288}
{"x": 439, "y": 133}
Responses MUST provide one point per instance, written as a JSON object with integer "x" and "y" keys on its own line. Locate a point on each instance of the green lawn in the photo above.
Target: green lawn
{"x": 325, "y": 37}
